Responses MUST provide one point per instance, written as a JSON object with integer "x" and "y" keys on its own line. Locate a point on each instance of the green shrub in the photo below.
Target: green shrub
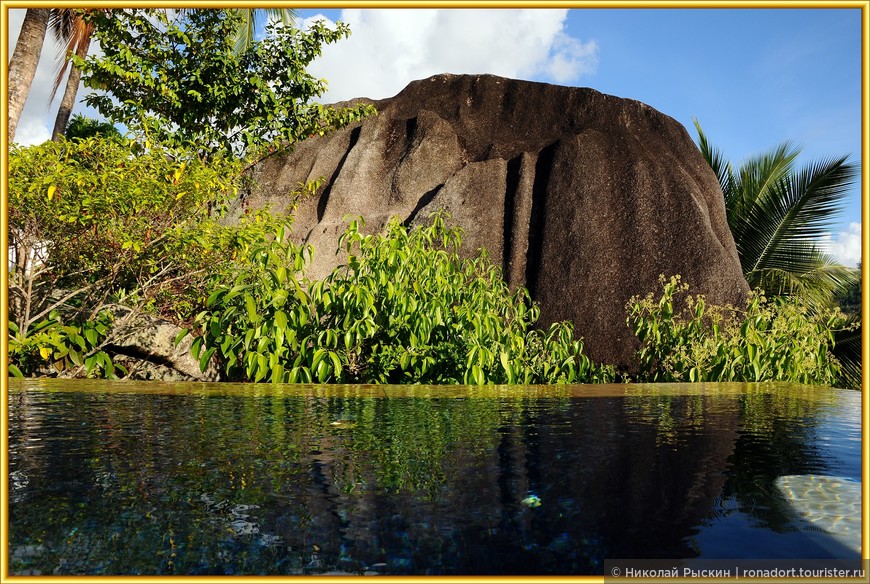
{"x": 405, "y": 309}
{"x": 259, "y": 324}
{"x": 51, "y": 344}
{"x": 82, "y": 127}
{"x": 99, "y": 225}
{"x": 778, "y": 339}
{"x": 95, "y": 215}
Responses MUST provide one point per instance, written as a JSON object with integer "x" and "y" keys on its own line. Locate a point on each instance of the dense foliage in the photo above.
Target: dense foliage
{"x": 103, "y": 227}
{"x": 407, "y": 308}
{"x": 81, "y": 127}
{"x": 779, "y": 339}
{"x": 177, "y": 77}
{"x": 776, "y": 214}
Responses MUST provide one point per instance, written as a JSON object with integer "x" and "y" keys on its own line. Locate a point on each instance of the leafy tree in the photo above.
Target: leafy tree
{"x": 103, "y": 227}
{"x": 74, "y": 31}
{"x": 180, "y": 81}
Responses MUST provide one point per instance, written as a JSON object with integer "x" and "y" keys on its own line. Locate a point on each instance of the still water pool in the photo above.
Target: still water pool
{"x": 154, "y": 478}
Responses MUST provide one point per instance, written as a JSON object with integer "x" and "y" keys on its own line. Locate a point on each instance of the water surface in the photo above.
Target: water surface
{"x": 157, "y": 478}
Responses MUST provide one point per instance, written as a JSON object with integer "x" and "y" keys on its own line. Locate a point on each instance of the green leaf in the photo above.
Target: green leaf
{"x": 180, "y": 336}
{"x": 214, "y": 297}
{"x": 505, "y": 361}
{"x": 195, "y": 347}
{"x": 91, "y": 336}
{"x": 336, "y": 366}
{"x": 277, "y": 373}
{"x": 280, "y": 319}
{"x": 205, "y": 358}
{"x": 251, "y": 307}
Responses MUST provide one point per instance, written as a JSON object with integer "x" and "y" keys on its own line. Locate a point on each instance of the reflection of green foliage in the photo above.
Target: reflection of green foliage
{"x": 350, "y": 448}
{"x": 412, "y": 440}
{"x": 671, "y": 415}
{"x": 779, "y": 339}
{"x": 188, "y": 470}
{"x": 674, "y": 413}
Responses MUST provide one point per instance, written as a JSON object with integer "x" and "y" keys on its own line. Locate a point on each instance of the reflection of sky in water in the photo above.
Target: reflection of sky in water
{"x": 823, "y": 509}
{"x": 840, "y": 434}
{"x": 738, "y": 534}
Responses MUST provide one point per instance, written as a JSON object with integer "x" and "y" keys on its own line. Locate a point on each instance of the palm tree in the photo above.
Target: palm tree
{"x": 70, "y": 28}
{"x": 74, "y": 32}
{"x": 776, "y": 215}
{"x": 248, "y": 26}
{"x": 25, "y": 59}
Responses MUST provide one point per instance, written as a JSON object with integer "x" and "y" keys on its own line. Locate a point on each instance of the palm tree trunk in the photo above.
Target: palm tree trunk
{"x": 69, "y": 97}
{"x": 25, "y": 58}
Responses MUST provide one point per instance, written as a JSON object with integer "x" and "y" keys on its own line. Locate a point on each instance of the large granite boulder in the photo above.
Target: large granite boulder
{"x": 584, "y": 198}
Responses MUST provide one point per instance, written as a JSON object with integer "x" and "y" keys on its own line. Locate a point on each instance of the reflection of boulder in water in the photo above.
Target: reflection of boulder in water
{"x": 831, "y": 504}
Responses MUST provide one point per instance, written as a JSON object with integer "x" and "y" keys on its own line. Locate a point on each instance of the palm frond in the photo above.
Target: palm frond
{"x": 248, "y": 25}
{"x": 799, "y": 206}
{"x": 761, "y": 173}
{"x": 716, "y": 159}
{"x": 287, "y": 16}
{"x": 74, "y": 34}
{"x": 246, "y": 30}
{"x": 776, "y": 216}
{"x": 803, "y": 271}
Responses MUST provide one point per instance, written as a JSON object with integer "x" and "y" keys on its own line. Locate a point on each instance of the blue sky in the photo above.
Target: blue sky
{"x": 753, "y": 77}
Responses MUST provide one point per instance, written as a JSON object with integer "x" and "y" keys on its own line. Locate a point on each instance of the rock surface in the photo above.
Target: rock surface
{"x": 146, "y": 346}
{"x": 584, "y": 198}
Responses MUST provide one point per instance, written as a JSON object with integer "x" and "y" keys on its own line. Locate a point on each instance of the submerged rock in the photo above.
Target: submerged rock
{"x": 581, "y": 197}
{"x": 830, "y": 504}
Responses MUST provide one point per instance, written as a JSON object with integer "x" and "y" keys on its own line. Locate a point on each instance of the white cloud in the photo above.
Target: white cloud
{"x": 572, "y": 59}
{"x": 846, "y": 248}
{"x": 388, "y": 49}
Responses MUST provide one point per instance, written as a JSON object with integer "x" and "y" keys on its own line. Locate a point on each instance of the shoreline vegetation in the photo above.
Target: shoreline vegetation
{"x": 107, "y": 229}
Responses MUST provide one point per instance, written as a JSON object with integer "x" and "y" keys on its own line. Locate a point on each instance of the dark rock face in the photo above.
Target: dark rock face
{"x": 584, "y": 198}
